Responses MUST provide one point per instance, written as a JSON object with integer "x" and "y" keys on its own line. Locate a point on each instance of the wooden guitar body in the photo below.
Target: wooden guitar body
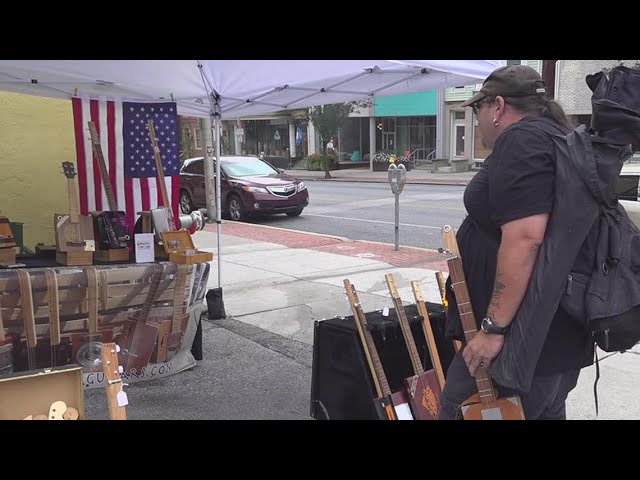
{"x": 423, "y": 392}
{"x": 136, "y": 350}
{"x": 74, "y": 237}
{"x": 111, "y": 229}
{"x": 506, "y": 408}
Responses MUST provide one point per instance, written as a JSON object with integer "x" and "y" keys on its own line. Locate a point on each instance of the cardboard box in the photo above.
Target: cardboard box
{"x": 32, "y": 392}
{"x": 179, "y": 245}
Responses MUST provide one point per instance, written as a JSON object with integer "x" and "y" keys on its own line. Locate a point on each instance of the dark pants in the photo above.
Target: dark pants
{"x": 545, "y": 400}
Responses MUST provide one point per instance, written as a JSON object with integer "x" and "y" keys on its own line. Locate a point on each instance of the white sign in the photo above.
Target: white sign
{"x": 239, "y": 131}
{"x": 144, "y": 243}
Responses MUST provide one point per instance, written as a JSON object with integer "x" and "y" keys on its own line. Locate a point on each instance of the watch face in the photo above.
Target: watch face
{"x": 489, "y": 327}
{"x": 485, "y": 325}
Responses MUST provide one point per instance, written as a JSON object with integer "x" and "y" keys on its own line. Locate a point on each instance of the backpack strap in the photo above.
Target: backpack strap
{"x": 583, "y": 159}
{"x": 595, "y": 384}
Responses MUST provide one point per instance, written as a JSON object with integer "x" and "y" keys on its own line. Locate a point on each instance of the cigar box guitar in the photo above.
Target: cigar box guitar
{"x": 138, "y": 338}
{"x": 74, "y": 232}
{"x": 423, "y": 388}
{"x": 395, "y": 405}
{"x": 485, "y": 405}
{"x": 111, "y": 226}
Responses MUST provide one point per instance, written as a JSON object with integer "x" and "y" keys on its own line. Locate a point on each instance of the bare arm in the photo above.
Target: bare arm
{"x": 521, "y": 240}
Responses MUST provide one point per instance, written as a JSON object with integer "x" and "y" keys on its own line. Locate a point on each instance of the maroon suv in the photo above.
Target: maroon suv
{"x": 249, "y": 185}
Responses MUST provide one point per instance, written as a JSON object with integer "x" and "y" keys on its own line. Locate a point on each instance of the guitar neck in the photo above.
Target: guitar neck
{"x": 151, "y": 295}
{"x": 74, "y": 204}
{"x": 178, "y": 297}
{"x": 428, "y": 333}
{"x": 467, "y": 317}
{"x": 404, "y": 325}
{"x": 160, "y": 171}
{"x": 380, "y": 379}
{"x": 106, "y": 181}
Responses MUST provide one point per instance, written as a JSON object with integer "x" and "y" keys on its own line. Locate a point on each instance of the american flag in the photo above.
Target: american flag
{"x": 126, "y": 146}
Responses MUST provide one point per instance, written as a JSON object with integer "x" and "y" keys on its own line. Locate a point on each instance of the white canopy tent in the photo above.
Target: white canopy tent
{"x": 236, "y": 88}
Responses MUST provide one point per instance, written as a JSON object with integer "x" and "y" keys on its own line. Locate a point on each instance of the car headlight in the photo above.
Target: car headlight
{"x": 255, "y": 189}
{"x": 301, "y": 186}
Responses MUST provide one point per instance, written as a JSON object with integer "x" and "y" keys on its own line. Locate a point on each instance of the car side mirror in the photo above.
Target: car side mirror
{"x": 281, "y": 170}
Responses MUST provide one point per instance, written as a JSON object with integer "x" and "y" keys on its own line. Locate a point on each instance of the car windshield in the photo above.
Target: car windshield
{"x": 249, "y": 168}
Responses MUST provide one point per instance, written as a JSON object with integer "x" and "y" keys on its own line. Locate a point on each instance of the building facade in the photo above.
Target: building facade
{"x": 36, "y": 136}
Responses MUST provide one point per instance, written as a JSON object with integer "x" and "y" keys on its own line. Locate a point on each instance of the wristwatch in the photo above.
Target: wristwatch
{"x": 488, "y": 326}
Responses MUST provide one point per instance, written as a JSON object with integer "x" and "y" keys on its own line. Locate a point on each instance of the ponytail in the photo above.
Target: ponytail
{"x": 541, "y": 106}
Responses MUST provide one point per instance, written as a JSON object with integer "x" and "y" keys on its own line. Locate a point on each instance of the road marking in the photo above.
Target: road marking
{"x": 370, "y": 221}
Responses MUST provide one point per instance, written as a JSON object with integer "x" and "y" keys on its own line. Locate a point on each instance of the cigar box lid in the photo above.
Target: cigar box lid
{"x": 177, "y": 241}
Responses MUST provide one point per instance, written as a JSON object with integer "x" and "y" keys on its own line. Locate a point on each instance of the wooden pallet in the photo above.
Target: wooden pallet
{"x": 89, "y": 307}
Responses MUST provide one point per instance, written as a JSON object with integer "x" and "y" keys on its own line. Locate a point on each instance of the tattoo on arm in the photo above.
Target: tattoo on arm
{"x": 498, "y": 288}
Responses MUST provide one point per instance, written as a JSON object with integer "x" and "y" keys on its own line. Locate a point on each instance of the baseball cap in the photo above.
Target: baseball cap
{"x": 510, "y": 81}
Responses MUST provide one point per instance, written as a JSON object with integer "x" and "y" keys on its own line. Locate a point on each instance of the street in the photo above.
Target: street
{"x": 365, "y": 211}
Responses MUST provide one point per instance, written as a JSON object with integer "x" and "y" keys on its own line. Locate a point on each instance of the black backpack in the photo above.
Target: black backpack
{"x": 603, "y": 288}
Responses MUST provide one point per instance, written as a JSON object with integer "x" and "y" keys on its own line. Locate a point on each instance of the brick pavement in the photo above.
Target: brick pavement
{"x": 405, "y": 257}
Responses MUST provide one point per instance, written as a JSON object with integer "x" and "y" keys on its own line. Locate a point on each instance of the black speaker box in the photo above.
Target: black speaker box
{"x": 342, "y": 387}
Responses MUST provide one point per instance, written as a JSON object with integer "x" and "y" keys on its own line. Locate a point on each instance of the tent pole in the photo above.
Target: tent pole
{"x": 218, "y": 121}
{"x": 209, "y": 180}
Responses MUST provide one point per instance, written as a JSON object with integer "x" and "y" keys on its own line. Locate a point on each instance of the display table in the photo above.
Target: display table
{"x": 53, "y": 315}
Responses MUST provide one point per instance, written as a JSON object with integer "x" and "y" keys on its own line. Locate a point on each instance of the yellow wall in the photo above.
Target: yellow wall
{"x": 36, "y": 136}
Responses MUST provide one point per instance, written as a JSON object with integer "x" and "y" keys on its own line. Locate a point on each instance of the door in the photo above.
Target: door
{"x": 457, "y": 135}
{"x": 388, "y": 134}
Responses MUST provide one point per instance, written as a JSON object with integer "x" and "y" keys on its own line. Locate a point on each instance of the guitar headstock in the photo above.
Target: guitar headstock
{"x": 417, "y": 291}
{"x": 391, "y": 284}
{"x": 116, "y": 397}
{"x": 69, "y": 170}
{"x": 110, "y": 366}
{"x": 449, "y": 241}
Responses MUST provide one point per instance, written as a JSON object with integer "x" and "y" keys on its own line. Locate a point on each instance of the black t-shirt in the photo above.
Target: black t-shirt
{"x": 516, "y": 181}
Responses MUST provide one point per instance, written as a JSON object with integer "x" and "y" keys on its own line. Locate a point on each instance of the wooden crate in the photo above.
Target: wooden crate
{"x": 111, "y": 255}
{"x": 86, "y": 313}
{"x": 77, "y": 258}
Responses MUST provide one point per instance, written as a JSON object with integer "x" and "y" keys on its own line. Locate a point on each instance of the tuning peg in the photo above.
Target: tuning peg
{"x": 117, "y": 348}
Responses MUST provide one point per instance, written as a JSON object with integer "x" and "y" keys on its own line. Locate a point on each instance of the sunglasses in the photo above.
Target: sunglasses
{"x": 476, "y": 106}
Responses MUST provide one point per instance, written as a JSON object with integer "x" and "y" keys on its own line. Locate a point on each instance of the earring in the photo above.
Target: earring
{"x": 496, "y": 122}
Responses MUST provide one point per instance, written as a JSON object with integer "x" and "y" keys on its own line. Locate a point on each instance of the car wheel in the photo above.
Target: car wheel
{"x": 236, "y": 209}
{"x": 295, "y": 213}
{"x": 186, "y": 204}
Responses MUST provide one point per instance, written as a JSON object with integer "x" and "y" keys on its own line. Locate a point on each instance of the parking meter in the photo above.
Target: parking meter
{"x": 397, "y": 175}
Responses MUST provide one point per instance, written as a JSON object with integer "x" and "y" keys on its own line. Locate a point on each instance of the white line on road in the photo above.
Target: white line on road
{"x": 370, "y": 221}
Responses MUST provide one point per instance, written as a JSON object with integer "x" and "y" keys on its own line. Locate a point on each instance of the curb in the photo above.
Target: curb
{"x": 400, "y": 247}
{"x": 457, "y": 183}
{"x": 341, "y": 239}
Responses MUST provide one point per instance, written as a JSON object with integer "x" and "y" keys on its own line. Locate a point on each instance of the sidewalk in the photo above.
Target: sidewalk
{"x": 364, "y": 175}
{"x": 276, "y": 283}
